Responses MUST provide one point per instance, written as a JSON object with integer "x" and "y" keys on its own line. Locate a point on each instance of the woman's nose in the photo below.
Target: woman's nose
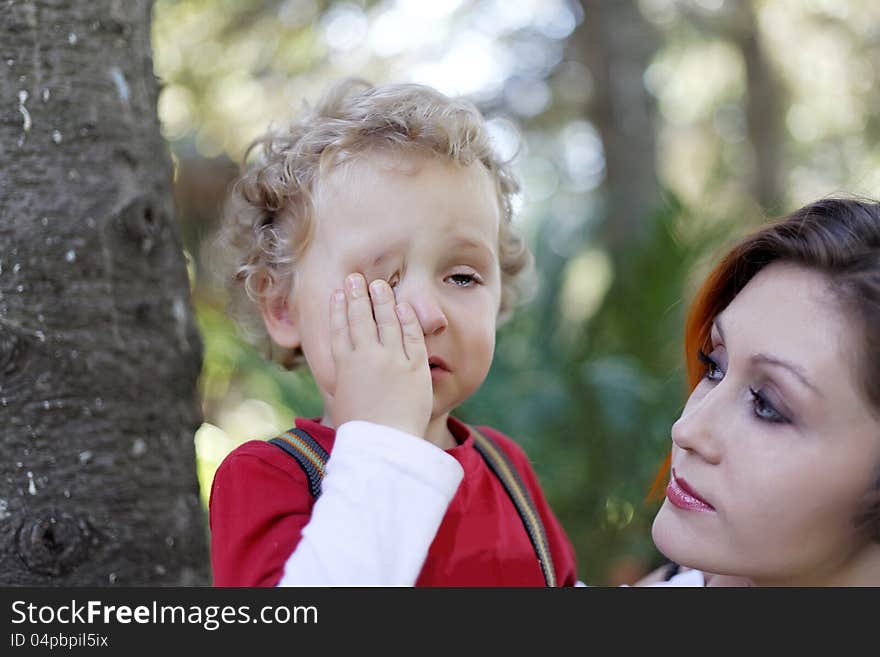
{"x": 697, "y": 429}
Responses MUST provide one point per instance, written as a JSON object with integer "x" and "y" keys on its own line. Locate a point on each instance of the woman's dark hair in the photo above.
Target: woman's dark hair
{"x": 837, "y": 237}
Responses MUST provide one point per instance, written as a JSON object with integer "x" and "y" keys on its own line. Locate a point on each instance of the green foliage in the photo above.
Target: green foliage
{"x": 593, "y": 406}
{"x": 235, "y": 369}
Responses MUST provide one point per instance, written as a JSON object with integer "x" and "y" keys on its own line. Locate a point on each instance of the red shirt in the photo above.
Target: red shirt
{"x": 260, "y": 502}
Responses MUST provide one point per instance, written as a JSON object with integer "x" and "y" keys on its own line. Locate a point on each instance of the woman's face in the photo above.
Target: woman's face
{"x": 777, "y": 445}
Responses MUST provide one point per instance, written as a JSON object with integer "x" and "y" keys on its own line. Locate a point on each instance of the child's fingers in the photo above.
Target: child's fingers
{"x": 361, "y": 326}
{"x": 413, "y": 336}
{"x": 340, "y": 342}
{"x": 383, "y": 309}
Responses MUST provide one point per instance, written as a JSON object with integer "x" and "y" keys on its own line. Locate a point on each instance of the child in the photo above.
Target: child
{"x": 397, "y": 183}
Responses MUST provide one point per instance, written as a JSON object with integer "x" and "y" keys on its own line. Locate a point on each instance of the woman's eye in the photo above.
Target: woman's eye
{"x": 764, "y": 409}
{"x": 713, "y": 372}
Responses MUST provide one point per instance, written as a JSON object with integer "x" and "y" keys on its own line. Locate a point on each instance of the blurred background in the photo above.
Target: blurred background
{"x": 647, "y": 134}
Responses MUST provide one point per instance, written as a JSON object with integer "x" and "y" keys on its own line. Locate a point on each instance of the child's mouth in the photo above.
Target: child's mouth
{"x": 437, "y": 364}
{"x": 438, "y": 367}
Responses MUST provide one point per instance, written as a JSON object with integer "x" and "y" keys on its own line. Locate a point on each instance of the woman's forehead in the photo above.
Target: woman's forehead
{"x": 789, "y": 313}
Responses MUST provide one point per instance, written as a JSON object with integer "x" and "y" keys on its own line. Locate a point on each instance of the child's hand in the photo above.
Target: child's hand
{"x": 382, "y": 372}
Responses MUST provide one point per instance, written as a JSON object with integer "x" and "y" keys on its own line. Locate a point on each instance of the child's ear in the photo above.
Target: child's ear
{"x": 278, "y": 318}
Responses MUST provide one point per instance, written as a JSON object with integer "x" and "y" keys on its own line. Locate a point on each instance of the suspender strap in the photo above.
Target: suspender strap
{"x": 308, "y": 453}
{"x": 500, "y": 464}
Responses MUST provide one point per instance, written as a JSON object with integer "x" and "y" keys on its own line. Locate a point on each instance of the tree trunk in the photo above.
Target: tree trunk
{"x": 763, "y": 110}
{"x": 617, "y": 43}
{"x": 765, "y": 97}
{"x": 99, "y": 354}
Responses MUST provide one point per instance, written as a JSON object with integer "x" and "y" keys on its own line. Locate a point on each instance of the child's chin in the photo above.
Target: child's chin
{"x": 442, "y": 407}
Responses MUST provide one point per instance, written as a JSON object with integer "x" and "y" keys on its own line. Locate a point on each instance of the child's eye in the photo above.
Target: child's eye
{"x": 394, "y": 281}
{"x": 764, "y": 409}
{"x": 464, "y": 280}
{"x": 713, "y": 371}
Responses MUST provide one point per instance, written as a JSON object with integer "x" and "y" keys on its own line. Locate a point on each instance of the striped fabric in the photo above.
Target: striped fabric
{"x": 309, "y": 454}
{"x": 506, "y": 472}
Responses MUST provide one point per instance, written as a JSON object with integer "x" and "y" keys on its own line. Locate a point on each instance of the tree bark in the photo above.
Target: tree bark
{"x": 99, "y": 354}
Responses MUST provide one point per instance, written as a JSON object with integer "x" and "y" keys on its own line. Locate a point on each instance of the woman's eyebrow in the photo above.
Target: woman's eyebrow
{"x": 791, "y": 367}
{"x": 766, "y": 359}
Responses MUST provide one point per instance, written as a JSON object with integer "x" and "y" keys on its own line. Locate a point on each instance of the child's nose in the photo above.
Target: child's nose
{"x": 427, "y": 309}
{"x": 433, "y": 320}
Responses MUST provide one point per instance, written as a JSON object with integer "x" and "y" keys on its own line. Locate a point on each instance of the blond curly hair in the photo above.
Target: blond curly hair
{"x": 268, "y": 218}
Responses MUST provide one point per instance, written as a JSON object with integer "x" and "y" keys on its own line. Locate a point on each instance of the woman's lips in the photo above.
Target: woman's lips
{"x": 680, "y": 494}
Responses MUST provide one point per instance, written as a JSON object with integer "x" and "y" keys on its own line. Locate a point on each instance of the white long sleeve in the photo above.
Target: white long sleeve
{"x": 383, "y": 498}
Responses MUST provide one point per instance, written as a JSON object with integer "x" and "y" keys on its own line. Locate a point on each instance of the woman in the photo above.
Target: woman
{"x": 775, "y": 466}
